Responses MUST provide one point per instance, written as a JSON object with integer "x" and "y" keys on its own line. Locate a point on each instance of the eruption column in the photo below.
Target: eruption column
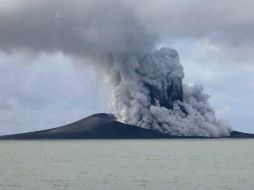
{"x": 149, "y": 93}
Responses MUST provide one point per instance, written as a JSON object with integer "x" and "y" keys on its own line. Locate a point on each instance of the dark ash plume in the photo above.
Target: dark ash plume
{"x": 149, "y": 93}
{"x": 148, "y": 88}
{"x": 81, "y": 28}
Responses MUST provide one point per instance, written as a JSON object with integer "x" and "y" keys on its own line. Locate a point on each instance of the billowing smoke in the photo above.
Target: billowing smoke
{"x": 148, "y": 90}
{"x": 149, "y": 93}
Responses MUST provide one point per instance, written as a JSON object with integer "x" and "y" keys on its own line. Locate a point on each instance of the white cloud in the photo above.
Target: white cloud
{"x": 48, "y": 93}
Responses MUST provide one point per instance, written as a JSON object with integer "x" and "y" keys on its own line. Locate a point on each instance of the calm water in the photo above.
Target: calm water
{"x": 127, "y": 164}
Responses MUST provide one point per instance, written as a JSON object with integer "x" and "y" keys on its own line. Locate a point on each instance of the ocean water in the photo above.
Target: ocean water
{"x": 127, "y": 164}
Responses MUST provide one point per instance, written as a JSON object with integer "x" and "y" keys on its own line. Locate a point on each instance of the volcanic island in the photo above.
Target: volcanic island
{"x": 105, "y": 126}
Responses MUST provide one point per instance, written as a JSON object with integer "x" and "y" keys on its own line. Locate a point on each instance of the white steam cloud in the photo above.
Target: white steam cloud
{"x": 149, "y": 93}
{"x": 148, "y": 90}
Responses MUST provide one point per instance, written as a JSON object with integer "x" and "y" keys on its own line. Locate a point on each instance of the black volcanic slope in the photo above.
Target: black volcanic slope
{"x": 98, "y": 126}
{"x": 102, "y": 126}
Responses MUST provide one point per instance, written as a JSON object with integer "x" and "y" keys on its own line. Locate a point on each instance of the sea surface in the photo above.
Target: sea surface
{"x": 127, "y": 164}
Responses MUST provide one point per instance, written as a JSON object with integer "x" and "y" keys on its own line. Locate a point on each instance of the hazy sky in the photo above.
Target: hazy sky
{"x": 47, "y": 80}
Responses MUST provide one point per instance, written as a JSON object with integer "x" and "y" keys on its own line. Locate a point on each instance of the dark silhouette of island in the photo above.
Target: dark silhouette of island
{"x": 104, "y": 126}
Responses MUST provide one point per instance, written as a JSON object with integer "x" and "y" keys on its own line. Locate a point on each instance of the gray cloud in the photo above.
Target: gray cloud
{"x": 93, "y": 27}
{"x": 48, "y": 93}
{"x": 229, "y": 21}
{"x": 5, "y": 105}
{"x": 76, "y": 28}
